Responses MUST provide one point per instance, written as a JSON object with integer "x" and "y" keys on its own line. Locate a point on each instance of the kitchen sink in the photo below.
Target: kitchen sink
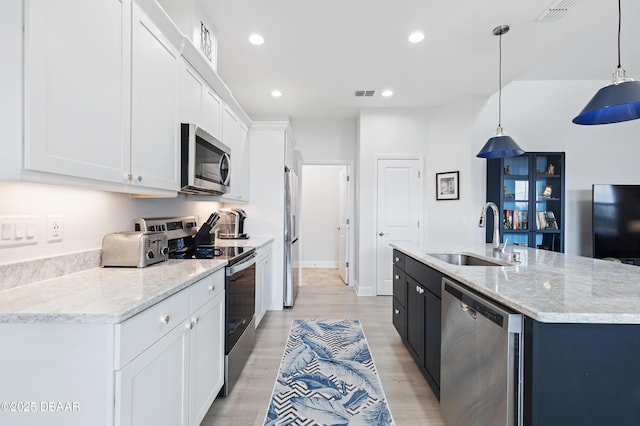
{"x": 467, "y": 259}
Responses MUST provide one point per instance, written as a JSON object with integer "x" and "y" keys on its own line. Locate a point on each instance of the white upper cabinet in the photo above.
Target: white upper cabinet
{"x": 101, "y": 95}
{"x": 154, "y": 106}
{"x": 212, "y": 112}
{"x": 201, "y": 105}
{"x": 235, "y": 136}
{"x": 77, "y": 88}
{"x": 191, "y": 93}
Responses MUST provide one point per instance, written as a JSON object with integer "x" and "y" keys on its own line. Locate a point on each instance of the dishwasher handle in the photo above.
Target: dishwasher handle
{"x": 476, "y": 305}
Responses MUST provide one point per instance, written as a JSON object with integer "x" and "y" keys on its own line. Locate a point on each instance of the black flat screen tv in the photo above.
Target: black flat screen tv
{"x": 616, "y": 222}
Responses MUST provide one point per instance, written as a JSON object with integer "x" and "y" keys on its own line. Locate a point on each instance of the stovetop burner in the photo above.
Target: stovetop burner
{"x": 230, "y": 254}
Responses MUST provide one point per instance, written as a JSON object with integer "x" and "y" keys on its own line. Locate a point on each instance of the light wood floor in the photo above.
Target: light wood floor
{"x": 410, "y": 399}
{"x": 321, "y": 276}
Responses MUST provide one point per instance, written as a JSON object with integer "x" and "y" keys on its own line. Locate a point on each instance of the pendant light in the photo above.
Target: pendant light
{"x": 617, "y": 102}
{"x": 500, "y": 145}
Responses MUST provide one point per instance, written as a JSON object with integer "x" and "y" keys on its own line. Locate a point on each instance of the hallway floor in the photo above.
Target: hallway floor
{"x": 321, "y": 276}
{"x": 410, "y": 398}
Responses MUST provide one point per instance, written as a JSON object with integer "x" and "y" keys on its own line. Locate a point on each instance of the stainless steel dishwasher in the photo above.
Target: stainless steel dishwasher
{"x": 481, "y": 373}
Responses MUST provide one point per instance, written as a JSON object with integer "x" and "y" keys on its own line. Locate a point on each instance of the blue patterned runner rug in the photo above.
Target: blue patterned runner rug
{"x": 327, "y": 377}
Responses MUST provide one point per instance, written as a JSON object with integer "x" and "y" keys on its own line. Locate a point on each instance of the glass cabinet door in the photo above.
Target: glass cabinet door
{"x": 529, "y": 192}
{"x": 515, "y": 206}
{"x": 548, "y": 201}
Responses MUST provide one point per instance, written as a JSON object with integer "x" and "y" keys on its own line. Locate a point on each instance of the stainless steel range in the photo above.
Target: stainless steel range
{"x": 239, "y": 285}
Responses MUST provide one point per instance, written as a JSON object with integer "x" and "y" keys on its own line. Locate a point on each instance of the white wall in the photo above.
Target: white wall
{"x": 320, "y": 207}
{"x": 326, "y": 140}
{"x": 443, "y": 137}
{"x": 87, "y": 215}
{"x": 538, "y": 114}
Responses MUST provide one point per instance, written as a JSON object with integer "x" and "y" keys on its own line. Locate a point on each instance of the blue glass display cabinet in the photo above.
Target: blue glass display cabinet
{"x": 529, "y": 192}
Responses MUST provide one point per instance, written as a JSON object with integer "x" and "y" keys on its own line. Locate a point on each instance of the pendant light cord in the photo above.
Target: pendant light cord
{"x": 500, "y": 83}
{"x": 619, "y": 29}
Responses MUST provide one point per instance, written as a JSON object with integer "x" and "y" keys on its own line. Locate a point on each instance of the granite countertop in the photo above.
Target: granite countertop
{"x": 101, "y": 295}
{"x": 547, "y": 286}
{"x": 257, "y": 242}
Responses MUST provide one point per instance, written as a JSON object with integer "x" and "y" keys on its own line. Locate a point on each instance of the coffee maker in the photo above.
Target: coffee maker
{"x": 231, "y": 225}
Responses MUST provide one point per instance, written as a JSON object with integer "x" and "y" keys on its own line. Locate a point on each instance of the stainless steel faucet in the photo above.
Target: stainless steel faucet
{"x": 496, "y": 221}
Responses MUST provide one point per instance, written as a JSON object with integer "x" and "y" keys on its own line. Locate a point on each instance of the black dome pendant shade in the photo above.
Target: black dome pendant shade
{"x": 617, "y": 102}
{"x": 500, "y": 145}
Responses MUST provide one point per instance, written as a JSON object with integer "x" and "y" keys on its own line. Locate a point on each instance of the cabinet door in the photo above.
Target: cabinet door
{"x": 206, "y": 354}
{"x": 212, "y": 112}
{"x": 529, "y": 191}
{"x": 154, "y": 118}
{"x": 150, "y": 390}
{"x": 236, "y": 136}
{"x": 267, "y": 281}
{"x": 260, "y": 267}
{"x": 77, "y": 88}
{"x": 399, "y": 319}
{"x": 415, "y": 319}
{"x": 191, "y": 90}
{"x": 432, "y": 335}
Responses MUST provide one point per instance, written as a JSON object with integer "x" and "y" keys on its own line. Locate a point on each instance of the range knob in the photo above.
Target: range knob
{"x": 164, "y": 251}
{"x": 150, "y": 254}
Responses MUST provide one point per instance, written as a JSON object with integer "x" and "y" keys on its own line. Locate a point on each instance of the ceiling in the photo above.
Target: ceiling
{"x": 319, "y": 52}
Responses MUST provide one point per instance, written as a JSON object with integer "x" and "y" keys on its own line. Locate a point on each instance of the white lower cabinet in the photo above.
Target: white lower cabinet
{"x": 163, "y": 366}
{"x": 206, "y": 360}
{"x": 174, "y": 381}
{"x": 150, "y": 389}
{"x": 264, "y": 281}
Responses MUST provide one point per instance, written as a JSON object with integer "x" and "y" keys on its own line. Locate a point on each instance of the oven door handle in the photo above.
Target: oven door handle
{"x": 242, "y": 265}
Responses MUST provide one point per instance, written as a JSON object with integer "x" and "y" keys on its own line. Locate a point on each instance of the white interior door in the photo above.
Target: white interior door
{"x": 343, "y": 225}
{"x": 399, "y": 209}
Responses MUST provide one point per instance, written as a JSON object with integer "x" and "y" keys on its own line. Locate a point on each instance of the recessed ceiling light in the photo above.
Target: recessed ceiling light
{"x": 256, "y": 39}
{"x": 416, "y": 37}
{"x": 276, "y": 93}
{"x": 387, "y": 93}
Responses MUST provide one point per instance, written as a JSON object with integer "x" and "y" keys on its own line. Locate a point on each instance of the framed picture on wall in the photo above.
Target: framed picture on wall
{"x": 448, "y": 186}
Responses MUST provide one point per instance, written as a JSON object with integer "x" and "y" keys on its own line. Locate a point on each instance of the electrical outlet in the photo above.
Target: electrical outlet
{"x": 55, "y": 228}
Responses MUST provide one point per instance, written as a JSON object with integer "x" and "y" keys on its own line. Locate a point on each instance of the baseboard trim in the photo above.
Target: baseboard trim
{"x": 317, "y": 264}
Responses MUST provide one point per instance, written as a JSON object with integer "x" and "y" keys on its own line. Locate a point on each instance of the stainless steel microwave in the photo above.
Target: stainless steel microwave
{"x": 205, "y": 162}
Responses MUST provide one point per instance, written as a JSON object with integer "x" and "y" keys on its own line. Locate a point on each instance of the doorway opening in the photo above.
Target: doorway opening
{"x": 326, "y": 225}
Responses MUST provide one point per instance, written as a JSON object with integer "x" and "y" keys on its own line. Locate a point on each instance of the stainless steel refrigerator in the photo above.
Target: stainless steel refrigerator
{"x": 291, "y": 263}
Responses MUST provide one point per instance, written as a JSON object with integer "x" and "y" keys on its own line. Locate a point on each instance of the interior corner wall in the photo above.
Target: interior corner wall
{"x": 538, "y": 114}
{"x": 442, "y": 136}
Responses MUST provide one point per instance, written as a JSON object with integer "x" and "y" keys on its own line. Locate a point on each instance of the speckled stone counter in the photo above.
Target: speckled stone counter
{"x": 101, "y": 295}
{"x": 547, "y": 286}
{"x": 256, "y": 242}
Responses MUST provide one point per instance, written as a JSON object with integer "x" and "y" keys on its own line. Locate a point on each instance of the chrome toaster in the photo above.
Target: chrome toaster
{"x": 134, "y": 249}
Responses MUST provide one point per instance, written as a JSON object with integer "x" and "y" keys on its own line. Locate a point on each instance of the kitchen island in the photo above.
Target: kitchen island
{"x": 581, "y": 327}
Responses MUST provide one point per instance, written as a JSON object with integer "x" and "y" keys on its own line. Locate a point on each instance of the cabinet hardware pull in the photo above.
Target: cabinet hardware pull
{"x": 139, "y": 178}
{"x": 212, "y": 287}
{"x": 397, "y": 259}
{"x": 397, "y": 277}
{"x": 397, "y": 311}
{"x": 381, "y": 234}
{"x": 165, "y": 319}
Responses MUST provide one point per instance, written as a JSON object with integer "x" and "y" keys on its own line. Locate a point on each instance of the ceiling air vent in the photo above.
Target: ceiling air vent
{"x": 557, "y": 10}
{"x": 364, "y": 93}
